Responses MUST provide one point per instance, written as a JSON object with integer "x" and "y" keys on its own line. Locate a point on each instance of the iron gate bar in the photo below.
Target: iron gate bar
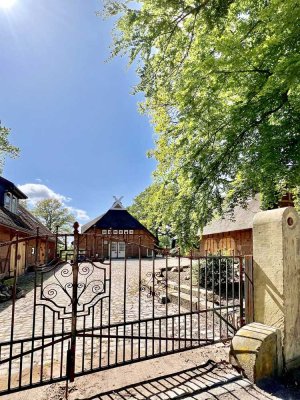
{"x": 25, "y": 353}
{"x": 14, "y": 290}
{"x": 157, "y": 318}
{"x": 249, "y": 290}
{"x": 72, "y": 349}
{"x": 160, "y": 338}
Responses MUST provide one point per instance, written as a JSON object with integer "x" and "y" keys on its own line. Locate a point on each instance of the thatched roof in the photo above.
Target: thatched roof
{"x": 241, "y": 219}
{"x": 117, "y": 217}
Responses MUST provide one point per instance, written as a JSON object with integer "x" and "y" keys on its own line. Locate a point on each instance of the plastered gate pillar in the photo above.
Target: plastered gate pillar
{"x": 276, "y": 256}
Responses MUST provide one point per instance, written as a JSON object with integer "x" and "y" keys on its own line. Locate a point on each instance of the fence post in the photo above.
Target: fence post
{"x": 242, "y": 321}
{"x": 72, "y": 350}
{"x": 249, "y": 293}
{"x": 56, "y": 242}
{"x": 36, "y": 258}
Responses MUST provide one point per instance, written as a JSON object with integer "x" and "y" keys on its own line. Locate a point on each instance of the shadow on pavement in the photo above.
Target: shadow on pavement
{"x": 210, "y": 380}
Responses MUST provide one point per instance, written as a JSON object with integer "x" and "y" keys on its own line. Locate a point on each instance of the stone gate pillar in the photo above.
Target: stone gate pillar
{"x": 276, "y": 256}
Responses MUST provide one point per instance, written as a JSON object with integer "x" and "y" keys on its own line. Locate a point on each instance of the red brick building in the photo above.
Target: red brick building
{"x": 116, "y": 233}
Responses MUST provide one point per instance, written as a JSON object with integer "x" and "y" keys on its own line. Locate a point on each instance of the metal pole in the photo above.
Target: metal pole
{"x": 12, "y": 326}
{"x": 56, "y": 242}
{"x": 36, "y": 246}
{"x": 72, "y": 350}
{"x": 94, "y": 242}
{"x": 241, "y": 291}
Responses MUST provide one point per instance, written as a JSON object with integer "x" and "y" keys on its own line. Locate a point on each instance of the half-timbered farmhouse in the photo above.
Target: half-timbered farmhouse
{"x": 17, "y": 221}
{"x": 116, "y": 234}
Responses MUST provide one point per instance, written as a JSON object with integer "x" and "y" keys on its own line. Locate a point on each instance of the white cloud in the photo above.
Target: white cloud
{"x": 39, "y": 191}
{"x": 81, "y": 215}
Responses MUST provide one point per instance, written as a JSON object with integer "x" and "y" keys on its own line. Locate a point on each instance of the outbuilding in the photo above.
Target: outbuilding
{"x": 233, "y": 233}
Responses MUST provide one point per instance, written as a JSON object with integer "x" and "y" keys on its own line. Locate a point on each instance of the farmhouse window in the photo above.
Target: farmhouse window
{"x": 10, "y": 202}
{"x": 104, "y": 231}
{"x": 14, "y": 205}
{"x": 121, "y": 247}
{"x": 131, "y": 232}
{"x": 115, "y": 232}
{"x": 7, "y": 200}
{"x": 121, "y": 232}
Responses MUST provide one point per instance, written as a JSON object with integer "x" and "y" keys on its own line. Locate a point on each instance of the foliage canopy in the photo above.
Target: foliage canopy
{"x": 221, "y": 83}
{"x": 5, "y": 147}
{"x": 52, "y": 214}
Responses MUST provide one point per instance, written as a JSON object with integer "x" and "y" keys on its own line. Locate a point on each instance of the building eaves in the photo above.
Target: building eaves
{"x": 240, "y": 219}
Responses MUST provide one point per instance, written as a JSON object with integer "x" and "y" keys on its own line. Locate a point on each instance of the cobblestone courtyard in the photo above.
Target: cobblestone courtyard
{"x": 115, "y": 328}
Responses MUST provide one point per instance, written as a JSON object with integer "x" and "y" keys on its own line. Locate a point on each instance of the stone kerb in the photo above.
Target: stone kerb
{"x": 276, "y": 256}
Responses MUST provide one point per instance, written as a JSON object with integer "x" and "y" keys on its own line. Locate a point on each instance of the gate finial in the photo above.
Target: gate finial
{"x": 76, "y": 226}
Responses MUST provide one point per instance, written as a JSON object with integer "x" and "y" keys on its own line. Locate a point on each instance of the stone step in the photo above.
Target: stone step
{"x": 185, "y": 300}
{"x": 172, "y": 268}
{"x": 195, "y": 291}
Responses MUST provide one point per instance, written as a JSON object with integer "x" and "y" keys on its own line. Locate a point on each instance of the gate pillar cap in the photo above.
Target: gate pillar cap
{"x": 287, "y": 214}
{"x": 76, "y": 226}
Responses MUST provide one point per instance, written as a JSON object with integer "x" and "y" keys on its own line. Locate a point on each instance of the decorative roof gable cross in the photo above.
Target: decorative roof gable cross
{"x": 117, "y": 205}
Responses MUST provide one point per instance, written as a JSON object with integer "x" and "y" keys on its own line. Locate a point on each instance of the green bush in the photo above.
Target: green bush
{"x": 213, "y": 271}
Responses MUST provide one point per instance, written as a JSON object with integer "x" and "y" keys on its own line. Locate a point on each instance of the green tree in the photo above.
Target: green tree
{"x": 148, "y": 208}
{"x": 52, "y": 213}
{"x": 145, "y": 208}
{"x": 221, "y": 83}
{"x": 6, "y": 149}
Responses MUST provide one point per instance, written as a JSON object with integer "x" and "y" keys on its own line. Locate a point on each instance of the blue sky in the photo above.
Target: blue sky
{"x": 70, "y": 112}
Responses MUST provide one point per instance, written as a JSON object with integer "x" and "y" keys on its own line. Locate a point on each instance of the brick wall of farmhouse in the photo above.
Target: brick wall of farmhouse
{"x": 91, "y": 243}
{"x": 238, "y": 241}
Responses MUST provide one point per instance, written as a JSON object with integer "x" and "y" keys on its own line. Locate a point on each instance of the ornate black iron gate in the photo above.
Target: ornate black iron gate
{"x": 89, "y": 313}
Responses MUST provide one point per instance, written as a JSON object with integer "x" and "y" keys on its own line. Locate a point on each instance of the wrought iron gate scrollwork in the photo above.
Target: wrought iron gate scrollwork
{"x": 59, "y": 293}
{"x": 154, "y": 285}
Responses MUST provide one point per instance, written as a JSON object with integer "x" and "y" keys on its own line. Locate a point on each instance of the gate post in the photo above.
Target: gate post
{"x": 272, "y": 342}
{"x": 72, "y": 350}
{"x": 276, "y": 256}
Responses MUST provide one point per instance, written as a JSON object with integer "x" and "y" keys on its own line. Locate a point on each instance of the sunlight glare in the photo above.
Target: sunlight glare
{"x": 7, "y": 3}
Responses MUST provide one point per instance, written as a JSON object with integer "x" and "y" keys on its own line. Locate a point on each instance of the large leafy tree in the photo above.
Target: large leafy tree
{"x": 52, "y": 213}
{"x": 148, "y": 208}
{"x": 6, "y": 149}
{"x": 221, "y": 82}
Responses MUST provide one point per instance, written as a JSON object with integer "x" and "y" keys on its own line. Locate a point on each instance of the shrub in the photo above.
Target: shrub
{"x": 213, "y": 271}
